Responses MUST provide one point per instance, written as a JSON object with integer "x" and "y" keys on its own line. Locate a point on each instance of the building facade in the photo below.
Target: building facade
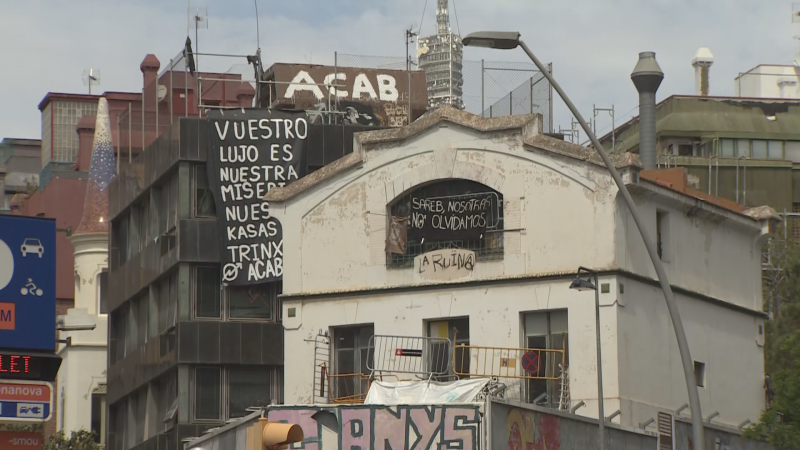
{"x": 768, "y": 81}
{"x": 366, "y": 258}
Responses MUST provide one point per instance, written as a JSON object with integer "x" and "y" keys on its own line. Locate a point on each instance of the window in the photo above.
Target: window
{"x": 760, "y": 149}
{"x": 662, "y": 235}
{"x": 795, "y": 224}
{"x": 253, "y": 302}
{"x": 207, "y": 383}
{"x": 248, "y": 387}
{"x": 700, "y": 373}
{"x": 207, "y": 292}
{"x": 102, "y": 292}
{"x": 742, "y": 147}
{"x": 167, "y": 303}
{"x": 775, "y": 149}
{"x": 792, "y": 150}
{"x": 351, "y": 353}
{"x": 727, "y": 148}
{"x": 203, "y": 198}
{"x": 488, "y": 246}
{"x": 457, "y": 330}
{"x": 685, "y": 150}
{"x": 547, "y": 330}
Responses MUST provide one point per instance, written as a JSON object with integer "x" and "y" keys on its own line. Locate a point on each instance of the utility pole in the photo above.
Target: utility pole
{"x": 410, "y": 35}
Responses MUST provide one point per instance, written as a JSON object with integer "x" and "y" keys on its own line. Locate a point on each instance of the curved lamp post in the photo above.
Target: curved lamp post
{"x": 511, "y": 40}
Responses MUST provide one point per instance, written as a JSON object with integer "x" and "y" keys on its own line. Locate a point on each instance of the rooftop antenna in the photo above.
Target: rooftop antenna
{"x": 255, "y": 60}
{"x": 796, "y": 19}
{"x": 200, "y": 21}
{"x": 91, "y": 77}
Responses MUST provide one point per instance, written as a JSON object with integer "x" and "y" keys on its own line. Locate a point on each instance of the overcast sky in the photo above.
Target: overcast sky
{"x": 593, "y": 44}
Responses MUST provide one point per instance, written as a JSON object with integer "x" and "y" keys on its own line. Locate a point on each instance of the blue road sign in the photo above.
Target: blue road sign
{"x": 27, "y": 283}
{"x": 25, "y": 401}
{"x": 22, "y": 410}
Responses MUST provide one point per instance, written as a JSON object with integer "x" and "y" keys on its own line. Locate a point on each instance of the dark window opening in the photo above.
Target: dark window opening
{"x": 685, "y": 150}
{"x": 207, "y": 384}
{"x": 547, "y": 330}
{"x": 350, "y": 379}
{"x": 253, "y": 302}
{"x": 207, "y": 292}
{"x": 661, "y": 233}
{"x": 700, "y": 373}
{"x": 203, "y": 198}
{"x": 488, "y": 247}
{"x": 248, "y": 387}
{"x": 102, "y": 292}
{"x": 97, "y": 417}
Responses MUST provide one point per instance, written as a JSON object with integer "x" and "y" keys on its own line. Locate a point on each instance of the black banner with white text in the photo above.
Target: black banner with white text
{"x": 250, "y": 152}
{"x": 451, "y": 218}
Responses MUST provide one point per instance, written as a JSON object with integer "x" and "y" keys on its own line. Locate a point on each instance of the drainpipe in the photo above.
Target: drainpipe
{"x": 647, "y": 77}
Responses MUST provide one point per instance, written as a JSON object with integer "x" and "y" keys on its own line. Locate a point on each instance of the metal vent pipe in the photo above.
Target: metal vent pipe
{"x": 647, "y": 77}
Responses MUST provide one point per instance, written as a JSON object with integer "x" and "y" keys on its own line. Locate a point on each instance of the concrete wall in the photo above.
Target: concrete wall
{"x": 712, "y": 256}
{"x": 515, "y": 426}
{"x": 650, "y": 372}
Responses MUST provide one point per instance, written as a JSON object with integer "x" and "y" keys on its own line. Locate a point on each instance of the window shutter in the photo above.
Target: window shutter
{"x": 665, "y": 425}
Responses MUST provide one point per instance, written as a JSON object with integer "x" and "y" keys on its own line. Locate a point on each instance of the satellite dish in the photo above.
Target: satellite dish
{"x": 91, "y": 77}
{"x": 161, "y": 92}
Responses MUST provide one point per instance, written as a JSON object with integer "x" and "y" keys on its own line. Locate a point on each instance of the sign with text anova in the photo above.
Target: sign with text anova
{"x": 27, "y": 283}
{"x": 252, "y": 151}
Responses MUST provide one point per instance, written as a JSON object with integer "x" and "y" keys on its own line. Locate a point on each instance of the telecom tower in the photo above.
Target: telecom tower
{"x": 440, "y": 58}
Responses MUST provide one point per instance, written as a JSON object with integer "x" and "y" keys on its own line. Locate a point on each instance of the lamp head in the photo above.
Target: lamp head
{"x": 503, "y": 40}
{"x": 579, "y": 284}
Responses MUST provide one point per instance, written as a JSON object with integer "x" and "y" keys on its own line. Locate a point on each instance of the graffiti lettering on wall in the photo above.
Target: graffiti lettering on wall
{"x": 250, "y": 152}
{"x": 405, "y": 427}
{"x": 445, "y": 264}
{"x": 529, "y": 431}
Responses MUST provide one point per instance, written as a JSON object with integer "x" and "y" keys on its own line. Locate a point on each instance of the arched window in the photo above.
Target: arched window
{"x": 445, "y": 214}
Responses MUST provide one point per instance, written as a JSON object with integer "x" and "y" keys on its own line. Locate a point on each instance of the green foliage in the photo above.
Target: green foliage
{"x": 78, "y": 440}
{"x": 780, "y": 423}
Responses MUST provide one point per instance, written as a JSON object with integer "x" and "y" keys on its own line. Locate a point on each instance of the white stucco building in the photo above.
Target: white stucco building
{"x": 81, "y": 388}
{"x": 554, "y": 208}
{"x": 769, "y": 81}
{"x": 82, "y": 376}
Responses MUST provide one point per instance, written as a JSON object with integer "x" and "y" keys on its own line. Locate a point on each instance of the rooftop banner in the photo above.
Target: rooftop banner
{"x": 250, "y": 152}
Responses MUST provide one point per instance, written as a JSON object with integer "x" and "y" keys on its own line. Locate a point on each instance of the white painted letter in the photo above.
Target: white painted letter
{"x": 303, "y": 82}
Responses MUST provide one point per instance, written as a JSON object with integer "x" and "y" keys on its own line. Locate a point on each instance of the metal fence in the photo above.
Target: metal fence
{"x": 422, "y": 356}
{"x": 491, "y": 88}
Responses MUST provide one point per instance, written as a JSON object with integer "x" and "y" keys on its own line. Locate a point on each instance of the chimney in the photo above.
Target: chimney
{"x": 149, "y": 68}
{"x": 702, "y": 62}
{"x": 85, "y": 131}
{"x": 647, "y": 77}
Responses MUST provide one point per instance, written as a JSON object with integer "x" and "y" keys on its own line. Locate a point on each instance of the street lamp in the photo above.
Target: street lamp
{"x": 586, "y": 280}
{"x": 511, "y": 40}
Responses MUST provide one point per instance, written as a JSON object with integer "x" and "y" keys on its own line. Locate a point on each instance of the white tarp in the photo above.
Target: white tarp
{"x": 425, "y": 392}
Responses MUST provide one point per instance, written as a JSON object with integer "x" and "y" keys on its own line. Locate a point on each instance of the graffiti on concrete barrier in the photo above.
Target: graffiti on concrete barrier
{"x": 364, "y": 427}
{"x": 529, "y": 431}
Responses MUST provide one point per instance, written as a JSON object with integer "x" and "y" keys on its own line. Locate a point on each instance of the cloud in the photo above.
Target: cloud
{"x": 592, "y": 44}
